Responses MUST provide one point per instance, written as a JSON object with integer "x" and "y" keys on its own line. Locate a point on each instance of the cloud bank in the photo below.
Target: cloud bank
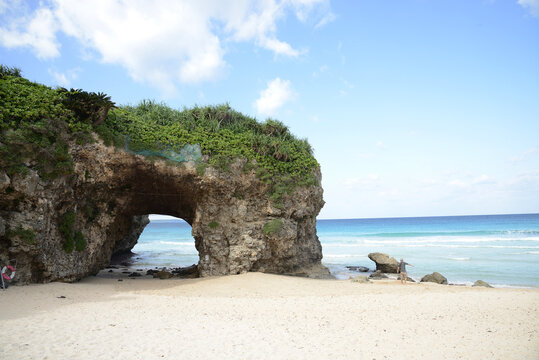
{"x": 531, "y": 5}
{"x": 159, "y": 41}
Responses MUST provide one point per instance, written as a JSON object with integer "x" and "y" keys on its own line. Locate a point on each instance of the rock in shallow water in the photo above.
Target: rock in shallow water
{"x": 358, "y": 268}
{"x": 384, "y": 263}
{"x": 378, "y": 275}
{"x": 482, "y": 283}
{"x": 435, "y": 277}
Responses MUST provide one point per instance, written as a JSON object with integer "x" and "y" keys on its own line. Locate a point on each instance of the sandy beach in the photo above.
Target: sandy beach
{"x": 261, "y": 316}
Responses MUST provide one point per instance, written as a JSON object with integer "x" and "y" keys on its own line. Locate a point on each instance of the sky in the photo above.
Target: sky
{"x": 413, "y": 107}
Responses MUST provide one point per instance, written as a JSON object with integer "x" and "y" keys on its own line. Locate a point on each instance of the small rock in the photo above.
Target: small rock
{"x": 358, "y": 268}
{"x": 120, "y": 280}
{"x": 162, "y": 275}
{"x": 482, "y": 283}
{"x": 377, "y": 275}
{"x": 126, "y": 272}
{"x": 111, "y": 270}
{"x": 189, "y": 271}
{"x": 362, "y": 279}
{"x": 435, "y": 277}
{"x": 61, "y": 297}
{"x": 134, "y": 274}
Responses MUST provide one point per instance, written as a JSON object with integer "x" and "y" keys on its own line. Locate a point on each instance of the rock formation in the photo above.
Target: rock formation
{"x": 435, "y": 277}
{"x": 68, "y": 227}
{"x": 482, "y": 283}
{"x": 384, "y": 263}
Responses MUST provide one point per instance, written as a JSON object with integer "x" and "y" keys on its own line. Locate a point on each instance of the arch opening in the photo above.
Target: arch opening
{"x": 166, "y": 242}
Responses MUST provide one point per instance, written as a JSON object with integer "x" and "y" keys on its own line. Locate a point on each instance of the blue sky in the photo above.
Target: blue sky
{"x": 414, "y": 108}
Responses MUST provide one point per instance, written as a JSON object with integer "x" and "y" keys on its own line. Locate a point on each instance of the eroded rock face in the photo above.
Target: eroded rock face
{"x": 384, "y": 263}
{"x": 112, "y": 190}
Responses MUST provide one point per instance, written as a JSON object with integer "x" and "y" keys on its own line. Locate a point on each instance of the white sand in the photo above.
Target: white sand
{"x": 260, "y": 316}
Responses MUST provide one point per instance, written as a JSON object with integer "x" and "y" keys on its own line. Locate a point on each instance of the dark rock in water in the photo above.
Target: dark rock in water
{"x": 384, "y": 263}
{"x": 111, "y": 270}
{"x": 135, "y": 274}
{"x": 377, "y": 275}
{"x": 362, "y": 279}
{"x": 151, "y": 272}
{"x": 162, "y": 275}
{"x": 140, "y": 270}
{"x": 126, "y": 272}
{"x": 189, "y": 271}
{"x": 482, "y": 283}
{"x": 435, "y": 277}
{"x": 408, "y": 279}
{"x": 358, "y": 268}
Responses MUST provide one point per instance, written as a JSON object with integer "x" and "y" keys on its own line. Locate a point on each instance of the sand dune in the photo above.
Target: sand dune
{"x": 261, "y": 316}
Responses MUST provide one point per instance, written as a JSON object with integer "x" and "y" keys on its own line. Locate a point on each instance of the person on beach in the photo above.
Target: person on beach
{"x": 401, "y": 268}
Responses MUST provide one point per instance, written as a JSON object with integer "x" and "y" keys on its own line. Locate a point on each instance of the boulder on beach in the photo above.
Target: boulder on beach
{"x": 189, "y": 271}
{"x": 358, "y": 268}
{"x": 162, "y": 275}
{"x": 377, "y": 275}
{"x": 435, "y": 277}
{"x": 482, "y": 283}
{"x": 384, "y": 263}
{"x": 362, "y": 279}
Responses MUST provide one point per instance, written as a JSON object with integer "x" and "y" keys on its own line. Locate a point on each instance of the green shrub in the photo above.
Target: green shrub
{"x": 66, "y": 228}
{"x": 37, "y": 123}
{"x": 273, "y": 227}
{"x": 80, "y": 241}
{"x": 26, "y": 235}
{"x": 213, "y": 224}
{"x": 201, "y": 168}
{"x": 9, "y": 71}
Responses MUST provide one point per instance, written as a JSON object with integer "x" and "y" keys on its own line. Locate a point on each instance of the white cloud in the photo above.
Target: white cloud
{"x": 380, "y": 145}
{"x": 364, "y": 182}
{"x": 64, "y": 79}
{"x": 471, "y": 182}
{"x": 330, "y": 17}
{"x": 278, "y": 93}
{"x": 37, "y": 33}
{"x": 524, "y": 155}
{"x": 531, "y": 5}
{"x": 161, "y": 42}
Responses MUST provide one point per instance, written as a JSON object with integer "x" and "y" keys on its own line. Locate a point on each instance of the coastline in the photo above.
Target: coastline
{"x": 266, "y": 316}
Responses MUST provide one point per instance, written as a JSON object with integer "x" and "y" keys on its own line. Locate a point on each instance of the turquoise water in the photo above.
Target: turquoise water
{"x": 500, "y": 249}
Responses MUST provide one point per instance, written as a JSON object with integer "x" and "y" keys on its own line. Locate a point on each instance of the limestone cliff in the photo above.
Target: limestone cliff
{"x": 230, "y": 215}
{"x": 78, "y": 177}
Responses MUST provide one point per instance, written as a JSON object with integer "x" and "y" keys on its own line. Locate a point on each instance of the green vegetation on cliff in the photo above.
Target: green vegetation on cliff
{"x": 38, "y": 122}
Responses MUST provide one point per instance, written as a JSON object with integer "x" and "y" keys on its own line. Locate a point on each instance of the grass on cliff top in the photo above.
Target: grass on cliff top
{"x": 222, "y": 133}
{"x": 37, "y": 122}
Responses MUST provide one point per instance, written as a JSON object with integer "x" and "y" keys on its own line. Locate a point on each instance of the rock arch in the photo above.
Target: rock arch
{"x": 235, "y": 226}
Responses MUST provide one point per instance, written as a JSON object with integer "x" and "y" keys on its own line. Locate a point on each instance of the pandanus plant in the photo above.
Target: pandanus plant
{"x": 87, "y": 105}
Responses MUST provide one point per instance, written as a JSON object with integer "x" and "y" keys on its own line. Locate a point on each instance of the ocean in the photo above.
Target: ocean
{"x": 502, "y": 250}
